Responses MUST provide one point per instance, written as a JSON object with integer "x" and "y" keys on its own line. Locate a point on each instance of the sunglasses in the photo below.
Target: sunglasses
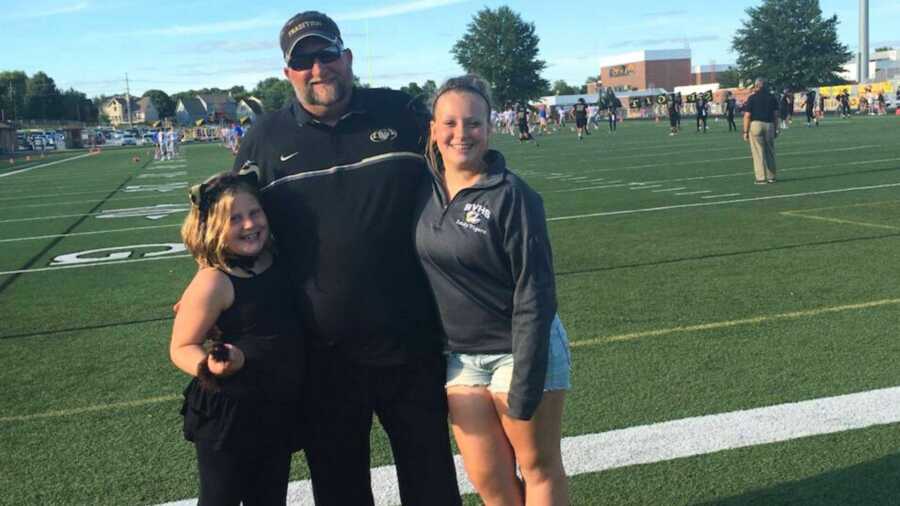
{"x": 305, "y": 61}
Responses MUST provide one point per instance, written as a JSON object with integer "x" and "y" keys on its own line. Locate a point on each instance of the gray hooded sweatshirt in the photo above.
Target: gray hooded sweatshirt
{"x": 487, "y": 257}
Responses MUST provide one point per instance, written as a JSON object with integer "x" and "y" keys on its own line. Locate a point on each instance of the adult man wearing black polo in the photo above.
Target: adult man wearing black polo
{"x": 339, "y": 169}
{"x": 760, "y": 130}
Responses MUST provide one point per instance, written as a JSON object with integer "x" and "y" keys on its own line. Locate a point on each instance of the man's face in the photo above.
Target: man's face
{"x": 324, "y": 86}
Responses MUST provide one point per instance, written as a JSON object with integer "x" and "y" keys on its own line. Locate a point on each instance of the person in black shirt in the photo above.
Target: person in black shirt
{"x": 760, "y": 130}
{"x": 809, "y": 105}
{"x": 785, "y": 106}
{"x": 580, "y": 111}
{"x": 730, "y": 108}
{"x": 702, "y": 114}
{"x": 339, "y": 167}
{"x": 241, "y": 406}
{"x": 522, "y": 112}
{"x": 673, "y": 108}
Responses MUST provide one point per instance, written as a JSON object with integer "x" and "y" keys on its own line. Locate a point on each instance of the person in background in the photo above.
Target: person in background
{"x": 761, "y": 130}
{"x": 730, "y": 109}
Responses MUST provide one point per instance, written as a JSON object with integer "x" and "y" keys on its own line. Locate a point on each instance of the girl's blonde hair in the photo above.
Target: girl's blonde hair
{"x": 205, "y": 229}
{"x": 470, "y": 83}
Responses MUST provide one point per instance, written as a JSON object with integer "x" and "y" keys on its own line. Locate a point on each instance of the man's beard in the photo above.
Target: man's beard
{"x": 328, "y": 94}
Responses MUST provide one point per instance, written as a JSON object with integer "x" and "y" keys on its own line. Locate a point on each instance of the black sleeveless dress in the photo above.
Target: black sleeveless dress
{"x": 257, "y": 408}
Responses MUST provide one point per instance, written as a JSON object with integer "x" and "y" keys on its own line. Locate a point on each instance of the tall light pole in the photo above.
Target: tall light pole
{"x": 862, "y": 57}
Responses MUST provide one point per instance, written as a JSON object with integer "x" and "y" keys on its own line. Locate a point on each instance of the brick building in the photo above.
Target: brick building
{"x": 641, "y": 70}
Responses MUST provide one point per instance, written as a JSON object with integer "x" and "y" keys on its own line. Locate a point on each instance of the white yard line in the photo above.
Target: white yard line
{"x": 644, "y": 186}
{"x": 694, "y": 192}
{"x": 730, "y": 159}
{"x": 721, "y": 202}
{"x": 747, "y": 174}
{"x": 676, "y": 439}
{"x": 20, "y": 171}
{"x": 723, "y": 195}
{"x": 670, "y": 189}
{"x": 33, "y": 238}
{"x": 96, "y": 264}
{"x": 72, "y": 202}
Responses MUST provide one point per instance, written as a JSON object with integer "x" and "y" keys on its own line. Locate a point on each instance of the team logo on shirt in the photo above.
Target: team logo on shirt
{"x": 474, "y": 215}
{"x": 383, "y": 135}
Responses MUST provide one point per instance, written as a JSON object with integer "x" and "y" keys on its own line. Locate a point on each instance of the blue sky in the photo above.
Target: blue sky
{"x": 177, "y": 45}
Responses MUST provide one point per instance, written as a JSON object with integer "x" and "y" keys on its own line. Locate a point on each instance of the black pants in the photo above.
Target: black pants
{"x": 731, "y": 125}
{"x": 411, "y": 405}
{"x": 612, "y": 123}
{"x": 701, "y": 119}
{"x": 228, "y": 478}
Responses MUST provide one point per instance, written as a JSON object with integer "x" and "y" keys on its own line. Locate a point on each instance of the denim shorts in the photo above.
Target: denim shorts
{"x": 496, "y": 370}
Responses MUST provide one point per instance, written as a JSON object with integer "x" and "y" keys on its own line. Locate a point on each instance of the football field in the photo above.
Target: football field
{"x": 732, "y": 343}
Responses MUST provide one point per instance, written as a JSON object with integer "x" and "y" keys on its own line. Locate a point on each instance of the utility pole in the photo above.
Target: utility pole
{"x": 128, "y": 101}
{"x": 863, "y": 55}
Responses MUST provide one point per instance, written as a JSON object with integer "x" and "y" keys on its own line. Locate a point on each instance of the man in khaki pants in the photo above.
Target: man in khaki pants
{"x": 761, "y": 129}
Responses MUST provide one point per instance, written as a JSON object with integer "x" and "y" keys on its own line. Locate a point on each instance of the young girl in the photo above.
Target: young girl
{"x": 240, "y": 407}
{"x": 482, "y": 240}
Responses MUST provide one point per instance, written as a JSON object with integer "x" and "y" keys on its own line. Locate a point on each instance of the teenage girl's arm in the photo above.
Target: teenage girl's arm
{"x": 208, "y": 294}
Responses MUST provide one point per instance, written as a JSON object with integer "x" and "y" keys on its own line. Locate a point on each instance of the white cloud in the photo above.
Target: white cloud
{"x": 395, "y": 9}
{"x": 39, "y": 11}
{"x": 211, "y": 28}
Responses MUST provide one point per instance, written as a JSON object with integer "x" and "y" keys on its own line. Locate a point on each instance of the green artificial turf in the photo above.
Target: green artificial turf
{"x": 89, "y": 413}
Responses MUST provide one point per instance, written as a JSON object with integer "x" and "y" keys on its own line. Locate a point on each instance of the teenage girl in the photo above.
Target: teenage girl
{"x": 240, "y": 407}
{"x": 482, "y": 239}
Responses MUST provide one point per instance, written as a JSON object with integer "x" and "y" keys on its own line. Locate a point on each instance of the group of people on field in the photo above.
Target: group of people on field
{"x": 364, "y": 257}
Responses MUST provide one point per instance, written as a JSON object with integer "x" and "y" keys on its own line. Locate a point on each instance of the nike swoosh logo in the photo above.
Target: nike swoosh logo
{"x": 288, "y": 157}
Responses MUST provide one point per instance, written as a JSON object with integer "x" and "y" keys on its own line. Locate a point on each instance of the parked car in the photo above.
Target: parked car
{"x": 128, "y": 140}
{"x": 23, "y": 144}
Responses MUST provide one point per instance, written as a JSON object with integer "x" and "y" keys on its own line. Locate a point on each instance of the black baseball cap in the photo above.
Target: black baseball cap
{"x": 307, "y": 24}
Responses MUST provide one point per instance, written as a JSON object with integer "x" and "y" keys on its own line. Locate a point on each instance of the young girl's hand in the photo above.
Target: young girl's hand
{"x": 233, "y": 364}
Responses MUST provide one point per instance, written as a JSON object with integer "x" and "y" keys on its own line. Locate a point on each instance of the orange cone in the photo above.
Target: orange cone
{"x": 27, "y": 158}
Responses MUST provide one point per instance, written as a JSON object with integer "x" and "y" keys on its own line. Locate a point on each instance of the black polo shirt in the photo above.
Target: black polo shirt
{"x": 340, "y": 202}
{"x": 762, "y": 106}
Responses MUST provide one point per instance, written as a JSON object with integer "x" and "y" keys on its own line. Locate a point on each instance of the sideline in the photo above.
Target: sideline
{"x": 26, "y": 169}
{"x": 688, "y": 437}
{"x": 733, "y": 323}
{"x": 722, "y": 202}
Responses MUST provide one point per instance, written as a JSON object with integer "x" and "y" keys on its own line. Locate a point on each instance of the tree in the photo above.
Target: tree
{"x": 502, "y": 48}
{"x": 274, "y": 93}
{"x": 412, "y": 89}
{"x": 884, "y": 48}
{"x": 425, "y": 92}
{"x": 12, "y": 94}
{"x": 729, "y": 78}
{"x": 77, "y": 107}
{"x": 791, "y": 44}
{"x": 163, "y": 102}
{"x": 561, "y": 87}
{"x": 42, "y": 98}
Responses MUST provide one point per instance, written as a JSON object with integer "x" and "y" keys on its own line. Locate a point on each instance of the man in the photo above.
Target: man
{"x": 760, "y": 130}
{"x": 702, "y": 114}
{"x": 522, "y": 111}
{"x": 786, "y": 105}
{"x": 580, "y": 110}
{"x": 339, "y": 170}
{"x": 730, "y": 108}
{"x": 809, "y": 106}
{"x": 673, "y": 111}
